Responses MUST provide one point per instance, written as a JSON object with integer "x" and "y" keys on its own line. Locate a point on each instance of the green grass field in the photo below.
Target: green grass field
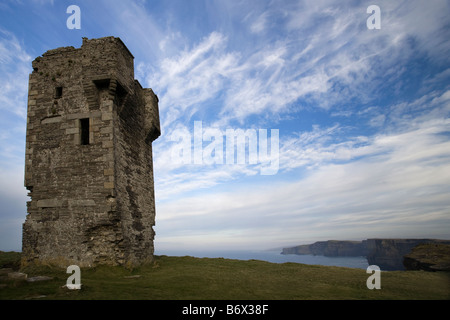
{"x": 188, "y": 278}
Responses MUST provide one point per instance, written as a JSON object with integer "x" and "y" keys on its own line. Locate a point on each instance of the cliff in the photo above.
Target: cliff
{"x": 428, "y": 257}
{"x": 388, "y": 254}
{"x": 330, "y": 248}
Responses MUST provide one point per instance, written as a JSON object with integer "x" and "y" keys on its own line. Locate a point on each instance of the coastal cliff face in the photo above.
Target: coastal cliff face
{"x": 388, "y": 254}
{"x": 428, "y": 257}
{"x": 331, "y": 248}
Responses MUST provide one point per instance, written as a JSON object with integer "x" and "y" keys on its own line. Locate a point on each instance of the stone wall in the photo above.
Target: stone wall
{"x": 88, "y": 162}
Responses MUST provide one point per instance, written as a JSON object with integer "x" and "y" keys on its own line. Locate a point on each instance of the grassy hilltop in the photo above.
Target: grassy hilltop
{"x": 176, "y": 278}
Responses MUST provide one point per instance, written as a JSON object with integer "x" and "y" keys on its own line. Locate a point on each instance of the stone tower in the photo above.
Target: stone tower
{"x": 88, "y": 161}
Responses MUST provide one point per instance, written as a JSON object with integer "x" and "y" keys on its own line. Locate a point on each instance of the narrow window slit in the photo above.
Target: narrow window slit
{"x": 84, "y": 131}
{"x": 58, "y": 92}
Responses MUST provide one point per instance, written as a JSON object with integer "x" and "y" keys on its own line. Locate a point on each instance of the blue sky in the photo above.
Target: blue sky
{"x": 362, "y": 115}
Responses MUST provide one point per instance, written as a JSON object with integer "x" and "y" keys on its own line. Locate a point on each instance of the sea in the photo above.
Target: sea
{"x": 274, "y": 256}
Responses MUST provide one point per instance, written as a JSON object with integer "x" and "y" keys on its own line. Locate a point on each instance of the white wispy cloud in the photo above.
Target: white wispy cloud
{"x": 362, "y": 186}
{"x": 260, "y": 23}
{"x": 184, "y": 82}
{"x": 327, "y": 54}
{"x": 15, "y": 64}
{"x": 43, "y": 2}
{"x": 336, "y": 62}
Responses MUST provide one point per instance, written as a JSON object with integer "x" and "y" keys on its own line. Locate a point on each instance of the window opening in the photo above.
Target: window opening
{"x": 58, "y": 92}
{"x": 84, "y": 132}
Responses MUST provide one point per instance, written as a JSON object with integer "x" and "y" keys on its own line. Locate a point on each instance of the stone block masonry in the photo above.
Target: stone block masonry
{"x": 88, "y": 159}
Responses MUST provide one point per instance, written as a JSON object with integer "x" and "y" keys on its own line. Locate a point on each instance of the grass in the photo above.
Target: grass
{"x": 9, "y": 259}
{"x": 432, "y": 253}
{"x": 188, "y": 278}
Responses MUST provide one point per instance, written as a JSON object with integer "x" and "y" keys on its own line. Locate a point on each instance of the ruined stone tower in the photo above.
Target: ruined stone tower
{"x": 88, "y": 161}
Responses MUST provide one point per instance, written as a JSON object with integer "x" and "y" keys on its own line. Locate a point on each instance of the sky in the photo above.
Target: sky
{"x": 350, "y": 110}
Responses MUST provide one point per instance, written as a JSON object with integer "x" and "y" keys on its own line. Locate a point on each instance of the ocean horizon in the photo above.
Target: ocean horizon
{"x": 273, "y": 255}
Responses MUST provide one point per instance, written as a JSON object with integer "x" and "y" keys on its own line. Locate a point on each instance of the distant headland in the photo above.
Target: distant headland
{"x": 388, "y": 254}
